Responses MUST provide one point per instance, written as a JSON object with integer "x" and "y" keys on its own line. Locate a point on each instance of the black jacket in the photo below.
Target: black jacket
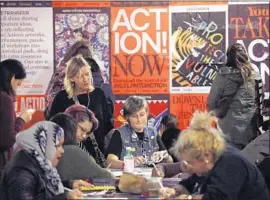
{"x": 169, "y": 137}
{"x": 24, "y": 179}
{"x": 232, "y": 178}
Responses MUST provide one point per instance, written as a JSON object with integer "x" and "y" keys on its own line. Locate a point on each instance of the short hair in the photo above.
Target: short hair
{"x": 134, "y": 104}
{"x": 73, "y": 67}
{"x": 8, "y": 69}
{"x": 69, "y": 125}
{"x": 169, "y": 121}
{"x": 94, "y": 66}
{"x": 81, "y": 113}
{"x": 201, "y": 137}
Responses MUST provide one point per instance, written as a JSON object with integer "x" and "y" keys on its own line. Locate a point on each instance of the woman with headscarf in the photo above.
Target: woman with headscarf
{"x": 31, "y": 173}
{"x": 232, "y": 97}
{"x": 74, "y": 157}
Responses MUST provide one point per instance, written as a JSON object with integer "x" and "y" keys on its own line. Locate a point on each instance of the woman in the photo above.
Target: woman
{"x": 75, "y": 158}
{"x": 87, "y": 124}
{"x": 56, "y": 83}
{"x": 218, "y": 172}
{"x": 79, "y": 89}
{"x": 31, "y": 173}
{"x": 169, "y": 132}
{"x": 232, "y": 97}
{"x": 12, "y": 74}
{"x": 143, "y": 140}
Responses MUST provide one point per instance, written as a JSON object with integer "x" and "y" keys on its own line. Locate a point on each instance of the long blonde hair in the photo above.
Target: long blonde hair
{"x": 73, "y": 67}
{"x": 203, "y": 136}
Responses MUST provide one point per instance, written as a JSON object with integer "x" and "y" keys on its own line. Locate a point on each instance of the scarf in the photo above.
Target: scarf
{"x": 40, "y": 142}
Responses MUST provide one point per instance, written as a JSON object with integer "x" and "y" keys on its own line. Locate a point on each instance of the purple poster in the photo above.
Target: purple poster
{"x": 70, "y": 24}
{"x": 249, "y": 25}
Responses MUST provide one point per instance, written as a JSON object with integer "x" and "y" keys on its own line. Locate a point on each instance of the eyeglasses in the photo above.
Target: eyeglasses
{"x": 186, "y": 164}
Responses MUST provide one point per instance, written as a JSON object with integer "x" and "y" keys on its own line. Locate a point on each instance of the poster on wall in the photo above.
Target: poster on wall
{"x": 184, "y": 105}
{"x": 26, "y": 35}
{"x": 139, "y": 48}
{"x": 198, "y": 44}
{"x": 249, "y": 26}
{"x": 88, "y": 20}
{"x": 157, "y": 104}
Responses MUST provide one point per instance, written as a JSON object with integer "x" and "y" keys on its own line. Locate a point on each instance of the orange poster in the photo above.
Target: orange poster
{"x": 139, "y": 48}
{"x": 184, "y": 105}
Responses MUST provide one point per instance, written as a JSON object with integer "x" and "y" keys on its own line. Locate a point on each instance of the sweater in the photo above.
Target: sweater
{"x": 9, "y": 124}
{"x": 77, "y": 164}
{"x": 98, "y": 104}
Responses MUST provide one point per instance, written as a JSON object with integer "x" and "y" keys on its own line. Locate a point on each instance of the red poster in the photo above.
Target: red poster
{"x": 36, "y": 102}
{"x": 184, "y": 105}
{"x": 158, "y": 107}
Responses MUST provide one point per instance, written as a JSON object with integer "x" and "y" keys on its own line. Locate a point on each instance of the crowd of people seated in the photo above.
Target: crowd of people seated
{"x": 222, "y": 154}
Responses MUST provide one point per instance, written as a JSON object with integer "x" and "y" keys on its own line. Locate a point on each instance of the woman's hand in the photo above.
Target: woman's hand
{"x": 75, "y": 194}
{"x": 158, "y": 172}
{"x": 26, "y": 115}
{"x": 77, "y": 184}
{"x": 165, "y": 192}
{"x": 159, "y": 156}
{"x": 138, "y": 160}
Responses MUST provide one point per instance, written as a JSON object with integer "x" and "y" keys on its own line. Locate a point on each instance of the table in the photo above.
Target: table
{"x": 167, "y": 182}
{"x": 144, "y": 171}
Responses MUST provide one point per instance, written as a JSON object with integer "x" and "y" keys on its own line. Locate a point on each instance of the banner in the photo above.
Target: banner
{"x": 249, "y": 26}
{"x": 139, "y": 48}
{"x": 184, "y": 105}
{"x": 157, "y": 104}
{"x": 73, "y": 20}
{"x": 198, "y": 43}
{"x": 26, "y": 35}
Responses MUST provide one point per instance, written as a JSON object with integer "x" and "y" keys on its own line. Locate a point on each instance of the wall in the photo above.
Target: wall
{"x": 168, "y": 52}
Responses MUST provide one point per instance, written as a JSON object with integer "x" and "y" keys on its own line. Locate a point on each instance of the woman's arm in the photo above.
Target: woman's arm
{"x": 58, "y": 104}
{"x": 114, "y": 161}
{"x": 107, "y": 115}
{"x": 114, "y": 151}
{"x": 10, "y": 125}
{"x": 215, "y": 92}
{"x": 170, "y": 169}
{"x": 22, "y": 185}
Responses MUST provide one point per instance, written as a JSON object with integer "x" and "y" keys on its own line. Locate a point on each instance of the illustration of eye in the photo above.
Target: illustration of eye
{"x": 41, "y": 138}
{"x": 42, "y": 141}
{"x": 58, "y": 132}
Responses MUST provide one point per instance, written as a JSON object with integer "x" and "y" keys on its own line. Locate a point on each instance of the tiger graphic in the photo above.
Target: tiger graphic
{"x": 184, "y": 43}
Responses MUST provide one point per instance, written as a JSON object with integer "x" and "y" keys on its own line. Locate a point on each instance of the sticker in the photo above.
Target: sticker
{"x": 133, "y": 149}
{"x": 134, "y": 135}
{"x": 126, "y": 140}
